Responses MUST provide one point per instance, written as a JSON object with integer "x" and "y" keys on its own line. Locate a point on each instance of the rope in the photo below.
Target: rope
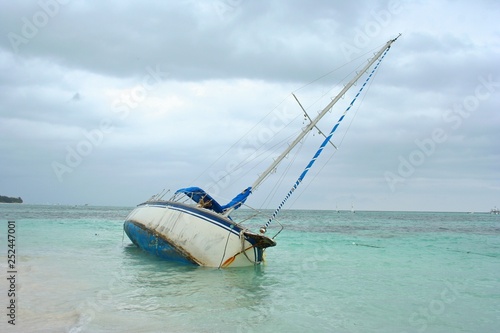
{"x": 225, "y": 248}
{"x": 325, "y": 142}
{"x": 242, "y": 236}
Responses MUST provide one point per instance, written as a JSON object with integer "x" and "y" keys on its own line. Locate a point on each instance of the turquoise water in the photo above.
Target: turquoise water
{"x": 331, "y": 272}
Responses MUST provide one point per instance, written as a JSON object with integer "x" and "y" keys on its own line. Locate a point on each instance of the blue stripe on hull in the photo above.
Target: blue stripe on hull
{"x": 226, "y": 226}
{"x": 150, "y": 242}
{"x": 199, "y": 213}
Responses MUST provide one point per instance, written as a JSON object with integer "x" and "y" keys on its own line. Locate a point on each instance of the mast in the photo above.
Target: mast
{"x": 313, "y": 122}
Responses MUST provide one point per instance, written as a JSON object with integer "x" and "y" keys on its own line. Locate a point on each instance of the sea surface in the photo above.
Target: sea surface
{"x": 330, "y": 272}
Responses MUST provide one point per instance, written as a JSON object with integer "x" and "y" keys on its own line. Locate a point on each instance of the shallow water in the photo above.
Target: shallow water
{"x": 330, "y": 272}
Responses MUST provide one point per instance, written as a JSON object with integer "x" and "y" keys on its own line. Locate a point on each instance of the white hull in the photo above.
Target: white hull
{"x": 195, "y": 235}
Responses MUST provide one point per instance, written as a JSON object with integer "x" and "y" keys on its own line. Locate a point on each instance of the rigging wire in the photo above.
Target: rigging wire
{"x": 269, "y": 113}
{"x": 322, "y": 146}
{"x": 259, "y": 151}
{"x": 340, "y": 143}
{"x": 273, "y": 192}
{"x": 257, "y": 155}
{"x": 272, "y": 111}
{"x": 276, "y": 186}
{"x": 239, "y": 140}
{"x": 268, "y": 151}
{"x": 336, "y": 69}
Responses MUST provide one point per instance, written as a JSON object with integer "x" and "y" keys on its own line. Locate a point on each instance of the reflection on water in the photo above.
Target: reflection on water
{"x": 175, "y": 289}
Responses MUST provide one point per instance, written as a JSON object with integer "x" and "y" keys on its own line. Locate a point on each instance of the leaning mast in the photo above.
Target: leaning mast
{"x": 313, "y": 122}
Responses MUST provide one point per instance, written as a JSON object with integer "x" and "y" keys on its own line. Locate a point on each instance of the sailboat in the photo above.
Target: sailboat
{"x": 193, "y": 228}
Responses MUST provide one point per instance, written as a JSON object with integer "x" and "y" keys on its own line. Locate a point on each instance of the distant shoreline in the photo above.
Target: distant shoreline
{"x": 341, "y": 212}
{"x": 5, "y": 199}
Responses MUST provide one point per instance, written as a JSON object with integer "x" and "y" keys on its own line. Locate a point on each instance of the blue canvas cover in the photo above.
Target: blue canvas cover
{"x": 201, "y": 197}
{"x": 204, "y": 199}
{"x": 239, "y": 199}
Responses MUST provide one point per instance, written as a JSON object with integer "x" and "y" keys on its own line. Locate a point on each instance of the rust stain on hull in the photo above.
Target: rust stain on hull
{"x": 181, "y": 251}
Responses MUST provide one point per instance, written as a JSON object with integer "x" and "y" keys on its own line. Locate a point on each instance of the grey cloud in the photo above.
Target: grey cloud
{"x": 227, "y": 63}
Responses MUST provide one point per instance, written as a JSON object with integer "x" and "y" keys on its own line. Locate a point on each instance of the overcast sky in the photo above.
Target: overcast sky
{"x": 110, "y": 102}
